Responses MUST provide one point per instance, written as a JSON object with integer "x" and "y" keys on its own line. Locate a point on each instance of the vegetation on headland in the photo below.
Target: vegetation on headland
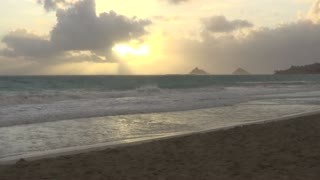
{"x": 306, "y": 69}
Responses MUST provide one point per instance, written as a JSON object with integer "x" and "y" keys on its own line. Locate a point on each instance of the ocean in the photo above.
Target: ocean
{"x": 45, "y": 113}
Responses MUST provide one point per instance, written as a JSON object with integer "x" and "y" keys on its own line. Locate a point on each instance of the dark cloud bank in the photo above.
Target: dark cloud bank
{"x": 220, "y": 24}
{"x": 261, "y": 51}
{"x": 78, "y": 29}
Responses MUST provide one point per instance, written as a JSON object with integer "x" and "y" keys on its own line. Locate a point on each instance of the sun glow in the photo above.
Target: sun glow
{"x": 124, "y": 50}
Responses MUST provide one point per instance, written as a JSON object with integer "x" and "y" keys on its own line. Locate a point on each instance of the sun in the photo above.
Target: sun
{"x": 125, "y": 50}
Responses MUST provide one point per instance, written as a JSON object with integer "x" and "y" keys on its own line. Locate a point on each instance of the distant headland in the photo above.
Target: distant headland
{"x": 306, "y": 69}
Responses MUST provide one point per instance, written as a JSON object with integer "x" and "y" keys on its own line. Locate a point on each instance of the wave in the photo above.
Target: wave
{"x": 277, "y": 82}
{"x": 49, "y": 96}
{"x": 148, "y": 88}
{"x": 115, "y": 83}
{"x": 28, "y": 108}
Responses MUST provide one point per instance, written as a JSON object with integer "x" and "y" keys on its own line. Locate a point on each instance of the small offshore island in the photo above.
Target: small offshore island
{"x": 306, "y": 69}
{"x": 240, "y": 71}
{"x": 197, "y": 71}
{"x": 159, "y": 90}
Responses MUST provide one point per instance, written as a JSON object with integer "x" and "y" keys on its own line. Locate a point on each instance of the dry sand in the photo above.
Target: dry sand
{"x": 288, "y": 149}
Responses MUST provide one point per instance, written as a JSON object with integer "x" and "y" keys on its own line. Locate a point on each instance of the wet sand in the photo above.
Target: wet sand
{"x": 287, "y": 149}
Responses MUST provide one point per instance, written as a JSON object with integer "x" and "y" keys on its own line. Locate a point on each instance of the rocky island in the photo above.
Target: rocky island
{"x": 240, "y": 71}
{"x": 197, "y": 71}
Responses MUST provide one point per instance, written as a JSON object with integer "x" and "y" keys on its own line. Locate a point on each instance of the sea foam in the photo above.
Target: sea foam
{"x": 62, "y": 105}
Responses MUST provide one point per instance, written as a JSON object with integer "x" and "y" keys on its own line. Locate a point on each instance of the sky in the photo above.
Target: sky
{"x": 101, "y": 37}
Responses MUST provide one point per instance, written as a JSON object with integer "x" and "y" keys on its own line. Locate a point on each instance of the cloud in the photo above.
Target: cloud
{"x": 220, "y": 24}
{"x": 23, "y": 43}
{"x": 261, "y": 51}
{"x": 52, "y": 5}
{"x": 82, "y": 36}
{"x": 168, "y": 18}
{"x": 78, "y": 28}
{"x": 314, "y": 13}
{"x": 176, "y": 1}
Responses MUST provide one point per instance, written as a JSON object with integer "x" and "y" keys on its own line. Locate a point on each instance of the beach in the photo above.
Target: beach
{"x": 159, "y": 90}
{"x": 286, "y": 149}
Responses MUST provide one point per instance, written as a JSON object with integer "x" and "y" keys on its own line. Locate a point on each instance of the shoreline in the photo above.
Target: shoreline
{"x": 74, "y": 150}
{"x": 282, "y": 149}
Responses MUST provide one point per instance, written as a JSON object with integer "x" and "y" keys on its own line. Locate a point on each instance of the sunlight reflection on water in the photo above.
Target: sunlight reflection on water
{"x": 24, "y": 139}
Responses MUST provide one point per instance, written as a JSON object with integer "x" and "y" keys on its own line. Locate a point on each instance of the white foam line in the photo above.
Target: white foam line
{"x": 83, "y": 149}
{"x": 130, "y": 142}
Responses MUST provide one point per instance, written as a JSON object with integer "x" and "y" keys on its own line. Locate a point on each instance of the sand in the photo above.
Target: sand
{"x": 287, "y": 149}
